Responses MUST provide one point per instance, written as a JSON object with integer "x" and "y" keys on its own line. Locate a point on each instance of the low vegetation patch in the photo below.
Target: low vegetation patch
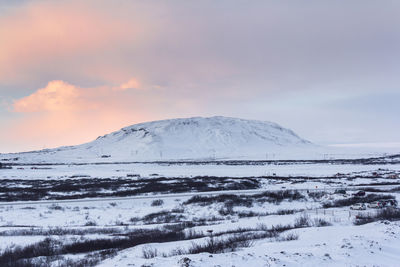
{"x": 356, "y": 199}
{"x": 231, "y": 200}
{"x": 278, "y": 196}
{"x": 50, "y": 250}
{"x": 59, "y": 231}
{"x": 389, "y": 214}
{"x": 163, "y": 217}
{"x": 316, "y": 195}
{"x": 319, "y": 222}
{"x": 244, "y": 237}
{"x": 302, "y": 221}
{"x": 288, "y": 237}
{"x": 222, "y": 245}
{"x": 157, "y": 202}
{"x": 75, "y": 188}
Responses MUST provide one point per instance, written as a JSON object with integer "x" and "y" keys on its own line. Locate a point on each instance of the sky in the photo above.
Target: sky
{"x": 74, "y": 70}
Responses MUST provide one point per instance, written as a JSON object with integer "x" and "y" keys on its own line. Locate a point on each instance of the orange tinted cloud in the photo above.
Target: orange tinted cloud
{"x": 56, "y": 96}
{"x": 62, "y": 113}
{"x": 62, "y": 97}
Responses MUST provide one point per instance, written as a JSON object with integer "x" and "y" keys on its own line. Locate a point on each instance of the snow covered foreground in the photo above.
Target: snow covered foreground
{"x": 375, "y": 244}
{"x": 81, "y": 214}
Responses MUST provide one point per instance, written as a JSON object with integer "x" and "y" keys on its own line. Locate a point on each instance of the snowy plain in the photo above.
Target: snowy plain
{"x": 200, "y": 192}
{"x": 341, "y": 243}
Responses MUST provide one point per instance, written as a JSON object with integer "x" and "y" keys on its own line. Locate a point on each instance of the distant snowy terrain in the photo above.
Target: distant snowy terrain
{"x": 175, "y": 139}
{"x": 197, "y": 139}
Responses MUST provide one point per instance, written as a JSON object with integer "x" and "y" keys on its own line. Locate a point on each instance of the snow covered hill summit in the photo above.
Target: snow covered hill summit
{"x": 178, "y": 139}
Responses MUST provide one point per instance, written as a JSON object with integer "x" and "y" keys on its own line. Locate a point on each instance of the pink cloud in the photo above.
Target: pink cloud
{"x": 56, "y": 96}
{"x": 60, "y": 96}
{"x": 64, "y": 114}
{"x": 43, "y": 35}
{"x": 131, "y": 84}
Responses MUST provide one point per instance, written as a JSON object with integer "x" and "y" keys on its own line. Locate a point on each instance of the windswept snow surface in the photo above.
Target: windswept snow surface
{"x": 191, "y": 138}
{"x": 374, "y": 244}
{"x": 25, "y": 221}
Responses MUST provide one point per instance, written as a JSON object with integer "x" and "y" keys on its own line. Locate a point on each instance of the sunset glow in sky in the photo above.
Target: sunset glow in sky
{"x": 73, "y": 70}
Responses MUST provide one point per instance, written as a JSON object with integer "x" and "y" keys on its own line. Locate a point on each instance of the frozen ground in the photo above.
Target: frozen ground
{"x": 293, "y": 214}
{"x": 375, "y": 244}
{"x": 146, "y": 170}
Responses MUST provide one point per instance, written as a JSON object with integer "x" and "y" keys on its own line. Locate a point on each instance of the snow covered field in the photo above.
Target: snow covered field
{"x": 185, "y": 170}
{"x": 295, "y": 214}
{"x": 375, "y": 244}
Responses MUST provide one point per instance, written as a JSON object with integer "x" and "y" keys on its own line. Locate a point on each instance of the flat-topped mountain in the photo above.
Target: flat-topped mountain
{"x": 188, "y": 138}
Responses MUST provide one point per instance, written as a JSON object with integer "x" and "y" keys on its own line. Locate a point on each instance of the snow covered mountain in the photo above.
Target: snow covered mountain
{"x": 188, "y": 138}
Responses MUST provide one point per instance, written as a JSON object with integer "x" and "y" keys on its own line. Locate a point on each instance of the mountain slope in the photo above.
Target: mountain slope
{"x": 189, "y": 138}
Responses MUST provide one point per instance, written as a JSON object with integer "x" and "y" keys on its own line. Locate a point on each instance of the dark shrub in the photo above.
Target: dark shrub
{"x": 222, "y": 245}
{"x": 302, "y": 221}
{"x": 163, "y": 217}
{"x": 353, "y": 200}
{"x": 316, "y": 194}
{"x": 149, "y": 252}
{"x": 279, "y": 196}
{"x": 13, "y": 256}
{"x": 286, "y": 212}
{"x": 226, "y": 211}
{"x": 319, "y": 222}
{"x": 340, "y": 191}
{"x": 157, "y": 202}
{"x": 229, "y": 200}
{"x": 247, "y": 200}
{"x": 288, "y": 237}
{"x": 55, "y": 207}
{"x": 389, "y": 214}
